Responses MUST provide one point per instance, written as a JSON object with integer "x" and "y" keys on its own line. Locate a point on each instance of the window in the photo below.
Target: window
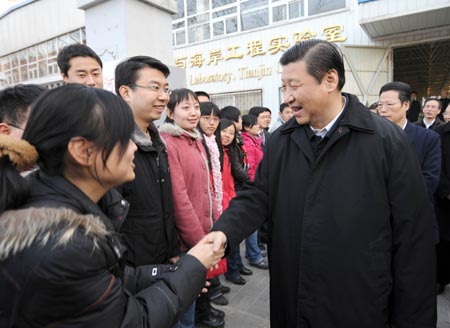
{"x": 220, "y": 3}
{"x": 197, "y": 6}
{"x": 254, "y": 19}
{"x": 279, "y": 13}
{"x": 321, "y": 6}
{"x": 295, "y": 9}
{"x": 180, "y": 10}
{"x": 244, "y": 100}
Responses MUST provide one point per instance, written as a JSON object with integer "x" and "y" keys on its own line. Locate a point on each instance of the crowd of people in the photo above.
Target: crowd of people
{"x": 109, "y": 220}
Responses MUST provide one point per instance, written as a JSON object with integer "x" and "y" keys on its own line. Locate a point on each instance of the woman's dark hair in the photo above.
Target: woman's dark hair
{"x": 208, "y": 108}
{"x": 176, "y": 97}
{"x": 61, "y": 114}
{"x": 77, "y": 111}
{"x": 320, "y": 57}
{"x": 249, "y": 120}
{"x": 225, "y": 123}
{"x": 231, "y": 113}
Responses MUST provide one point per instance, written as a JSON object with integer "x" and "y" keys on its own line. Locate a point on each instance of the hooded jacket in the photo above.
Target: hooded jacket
{"x": 194, "y": 202}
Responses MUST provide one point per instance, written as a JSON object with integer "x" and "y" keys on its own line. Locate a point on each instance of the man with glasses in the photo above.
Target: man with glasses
{"x": 15, "y": 105}
{"x": 149, "y": 229}
{"x": 393, "y": 105}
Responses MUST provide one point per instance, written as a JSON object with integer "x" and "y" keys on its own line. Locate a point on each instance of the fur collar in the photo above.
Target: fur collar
{"x": 176, "y": 131}
{"x": 19, "y": 229}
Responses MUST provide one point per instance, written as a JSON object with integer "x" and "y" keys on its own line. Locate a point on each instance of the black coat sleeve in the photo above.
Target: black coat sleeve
{"x": 413, "y": 251}
{"x": 169, "y": 294}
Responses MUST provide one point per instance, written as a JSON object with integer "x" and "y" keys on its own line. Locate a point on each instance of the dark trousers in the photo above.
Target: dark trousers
{"x": 443, "y": 262}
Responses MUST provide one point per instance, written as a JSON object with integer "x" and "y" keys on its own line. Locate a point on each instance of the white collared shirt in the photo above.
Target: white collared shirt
{"x": 322, "y": 132}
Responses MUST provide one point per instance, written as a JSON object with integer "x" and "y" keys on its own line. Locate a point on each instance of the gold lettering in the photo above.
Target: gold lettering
{"x": 278, "y": 44}
{"x": 197, "y": 60}
{"x": 303, "y": 36}
{"x": 181, "y": 62}
{"x": 255, "y": 48}
{"x": 233, "y": 54}
{"x": 215, "y": 56}
{"x": 333, "y": 33}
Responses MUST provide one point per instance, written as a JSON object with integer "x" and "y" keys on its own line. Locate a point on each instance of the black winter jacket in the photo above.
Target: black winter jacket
{"x": 149, "y": 228}
{"x": 78, "y": 283}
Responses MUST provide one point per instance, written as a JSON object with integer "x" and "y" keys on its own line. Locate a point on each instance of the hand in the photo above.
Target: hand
{"x": 218, "y": 239}
{"x": 205, "y": 253}
{"x": 174, "y": 259}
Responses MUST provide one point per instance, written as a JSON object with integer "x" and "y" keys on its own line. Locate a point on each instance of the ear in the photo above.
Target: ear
{"x": 125, "y": 93}
{"x": 65, "y": 78}
{"x": 331, "y": 80}
{"x": 169, "y": 113}
{"x": 81, "y": 151}
{"x": 4, "y": 128}
{"x": 406, "y": 105}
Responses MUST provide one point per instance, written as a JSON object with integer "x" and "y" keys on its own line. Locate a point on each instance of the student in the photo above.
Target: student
{"x": 80, "y": 64}
{"x": 195, "y": 208}
{"x": 61, "y": 249}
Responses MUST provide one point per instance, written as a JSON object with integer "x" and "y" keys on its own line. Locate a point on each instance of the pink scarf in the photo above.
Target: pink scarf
{"x": 215, "y": 166}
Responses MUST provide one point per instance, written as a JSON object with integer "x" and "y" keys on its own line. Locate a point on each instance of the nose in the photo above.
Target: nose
{"x": 90, "y": 81}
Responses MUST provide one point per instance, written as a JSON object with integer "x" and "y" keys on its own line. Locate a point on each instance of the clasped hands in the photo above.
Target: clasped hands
{"x": 211, "y": 249}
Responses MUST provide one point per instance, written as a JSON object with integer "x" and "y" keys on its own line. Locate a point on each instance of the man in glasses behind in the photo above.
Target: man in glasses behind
{"x": 15, "y": 107}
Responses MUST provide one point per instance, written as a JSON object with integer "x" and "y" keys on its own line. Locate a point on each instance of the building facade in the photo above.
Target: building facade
{"x": 231, "y": 48}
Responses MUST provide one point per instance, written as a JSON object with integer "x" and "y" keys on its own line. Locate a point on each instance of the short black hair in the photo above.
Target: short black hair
{"x": 283, "y": 106}
{"x": 72, "y": 51}
{"x": 127, "y": 72}
{"x": 320, "y": 57}
{"x": 202, "y": 93}
{"x": 208, "y": 108}
{"x": 15, "y": 102}
{"x": 403, "y": 89}
{"x": 75, "y": 110}
{"x": 435, "y": 99}
{"x": 249, "y": 120}
{"x": 231, "y": 113}
{"x": 258, "y": 110}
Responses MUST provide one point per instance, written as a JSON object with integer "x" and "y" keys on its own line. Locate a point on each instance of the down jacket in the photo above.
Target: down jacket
{"x": 194, "y": 202}
{"x": 61, "y": 265}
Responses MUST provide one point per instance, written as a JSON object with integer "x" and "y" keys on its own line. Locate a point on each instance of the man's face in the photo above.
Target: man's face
{"x": 444, "y": 93}
{"x": 431, "y": 109}
{"x": 390, "y": 107}
{"x": 264, "y": 120}
{"x": 413, "y": 96}
{"x": 86, "y": 71}
{"x": 447, "y": 114}
{"x": 147, "y": 104}
{"x": 286, "y": 114}
{"x": 306, "y": 97}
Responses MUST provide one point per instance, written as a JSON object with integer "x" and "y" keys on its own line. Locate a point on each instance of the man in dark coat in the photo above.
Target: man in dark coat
{"x": 350, "y": 226}
{"x": 394, "y": 105}
{"x": 431, "y": 110}
{"x": 414, "y": 108}
{"x": 442, "y": 205}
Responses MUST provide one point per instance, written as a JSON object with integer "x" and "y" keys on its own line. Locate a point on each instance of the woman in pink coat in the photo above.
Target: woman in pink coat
{"x": 195, "y": 208}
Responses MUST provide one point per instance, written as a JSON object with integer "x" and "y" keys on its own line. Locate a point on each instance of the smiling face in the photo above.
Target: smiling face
{"x": 308, "y": 98}
{"x": 186, "y": 114}
{"x": 227, "y": 135}
{"x": 147, "y": 104}
{"x": 264, "y": 120}
{"x": 86, "y": 71}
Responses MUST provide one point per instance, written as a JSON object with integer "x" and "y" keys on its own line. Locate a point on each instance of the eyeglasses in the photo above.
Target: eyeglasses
{"x": 153, "y": 87}
{"x": 15, "y": 126}
{"x": 387, "y": 104}
{"x": 210, "y": 119}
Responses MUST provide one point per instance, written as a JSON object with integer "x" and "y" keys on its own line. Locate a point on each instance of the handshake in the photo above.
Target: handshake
{"x": 210, "y": 250}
